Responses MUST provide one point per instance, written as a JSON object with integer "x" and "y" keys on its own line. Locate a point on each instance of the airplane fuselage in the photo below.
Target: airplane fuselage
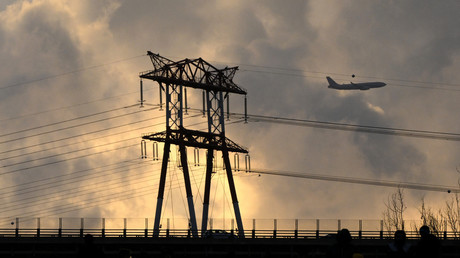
{"x": 354, "y": 86}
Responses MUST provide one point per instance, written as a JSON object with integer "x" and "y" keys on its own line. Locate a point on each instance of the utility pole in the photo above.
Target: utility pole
{"x": 173, "y": 79}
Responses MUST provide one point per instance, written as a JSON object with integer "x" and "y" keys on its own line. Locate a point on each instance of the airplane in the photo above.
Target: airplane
{"x": 354, "y": 86}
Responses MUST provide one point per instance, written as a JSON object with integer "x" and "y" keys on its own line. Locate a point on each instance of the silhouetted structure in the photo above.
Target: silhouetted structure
{"x": 89, "y": 249}
{"x": 195, "y": 247}
{"x": 399, "y": 248}
{"x": 343, "y": 247}
{"x": 174, "y": 78}
{"x": 428, "y": 245}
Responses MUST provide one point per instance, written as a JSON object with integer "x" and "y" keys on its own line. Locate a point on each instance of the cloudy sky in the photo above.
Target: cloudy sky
{"x": 70, "y": 135}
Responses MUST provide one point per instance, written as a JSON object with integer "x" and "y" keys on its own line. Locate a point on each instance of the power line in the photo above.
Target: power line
{"x": 392, "y": 84}
{"x": 65, "y": 190}
{"x": 269, "y": 70}
{"x": 64, "y": 175}
{"x": 59, "y": 178}
{"x": 75, "y": 126}
{"x": 408, "y": 185}
{"x": 69, "y": 152}
{"x": 113, "y": 197}
{"x": 80, "y": 135}
{"x": 68, "y": 181}
{"x": 78, "y": 150}
{"x": 84, "y": 134}
{"x": 69, "y": 193}
{"x": 60, "y": 161}
{"x": 437, "y": 135}
{"x": 65, "y": 121}
{"x": 60, "y": 184}
{"x": 70, "y": 72}
{"x": 109, "y": 198}
{"x": 94, "y": 202}
{"x": 71, "y": 106}
{"x": 354, "y": 128}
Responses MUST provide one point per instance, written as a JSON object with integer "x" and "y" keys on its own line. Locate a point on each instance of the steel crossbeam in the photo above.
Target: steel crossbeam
{"x": 198, "y": 139}
{"x": 195, "y": 73}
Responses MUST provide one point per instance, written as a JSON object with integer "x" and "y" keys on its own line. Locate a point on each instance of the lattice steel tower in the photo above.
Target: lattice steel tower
{"x": 173, "y": 78}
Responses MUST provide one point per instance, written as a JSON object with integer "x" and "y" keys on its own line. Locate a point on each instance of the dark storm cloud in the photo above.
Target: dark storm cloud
{"x": 159, "y": 27}
{"x": 410, "y": 34}
{"x": 39, "y": 40}
{"x": 385, "y": 155}
{"x": 36, "y": 43}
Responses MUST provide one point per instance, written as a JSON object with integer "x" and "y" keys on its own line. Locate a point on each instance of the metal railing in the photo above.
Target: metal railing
{"x": 256, "y": 228}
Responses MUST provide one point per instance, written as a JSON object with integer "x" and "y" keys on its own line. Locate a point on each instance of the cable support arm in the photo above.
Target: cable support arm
{"x": 195, "y": 73}
{"x": 197, "y": 139}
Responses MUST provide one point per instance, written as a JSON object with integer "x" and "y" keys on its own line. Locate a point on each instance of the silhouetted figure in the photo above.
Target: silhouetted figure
{"x": 428, "y": 246}
{"x": 399, "y": 248}
{"x": 343, "y": 247}
{"x": 89, "y": 249}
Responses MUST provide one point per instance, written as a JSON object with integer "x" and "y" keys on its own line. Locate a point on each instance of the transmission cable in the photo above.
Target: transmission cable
{"x": 67, "y": 193}
{"x": 75, "y": 178}
{"x": 65, "y": 121}
{"x": 69, "y": 152}
{"x": 111, "y": 198}
{"x": 392, "y": 84}
{"x": 75, "y": 126}
{"x": 303, "y": 71}
{"x": 354, "y": 128}
{"x": 70, "y": 72}
{"x": 60, "y": 161}
{"x": 80, "y": 135}
{"x": 71, "y": 207}
{"x": 415, "y": 186}
{"x": 71, "y": 106}
{"x": 65, "y": 175}
{"x": 346, "y": 127}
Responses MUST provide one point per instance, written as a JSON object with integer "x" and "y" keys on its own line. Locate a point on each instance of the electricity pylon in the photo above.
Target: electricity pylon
{"x": 174, "y": 78}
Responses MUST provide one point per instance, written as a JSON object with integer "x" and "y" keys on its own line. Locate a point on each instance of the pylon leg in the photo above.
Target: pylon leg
{"x": 207, "y": 190}
{"x": 188, "y": 189}
{"x": 231, "y": 184}
{"x": 161, "y": 190}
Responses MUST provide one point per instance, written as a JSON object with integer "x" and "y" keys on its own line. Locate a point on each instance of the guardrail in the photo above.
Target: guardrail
{"x": 261, "y": 228}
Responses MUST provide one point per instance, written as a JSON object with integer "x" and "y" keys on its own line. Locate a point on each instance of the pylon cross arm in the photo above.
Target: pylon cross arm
{"x": 195, "y": 73}
{"x": 196, "y": 139}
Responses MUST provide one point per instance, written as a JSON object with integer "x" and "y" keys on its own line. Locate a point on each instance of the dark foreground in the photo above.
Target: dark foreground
{"x": 188, "y": 247}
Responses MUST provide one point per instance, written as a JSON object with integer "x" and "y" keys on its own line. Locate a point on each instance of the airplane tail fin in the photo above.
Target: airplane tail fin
{"x": 331, "y": 82}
